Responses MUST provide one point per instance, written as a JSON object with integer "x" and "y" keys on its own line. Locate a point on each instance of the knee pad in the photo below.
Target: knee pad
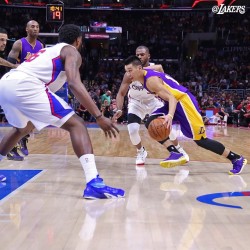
{"x": 133, "y": 130}
{"x": 211, "y": 145}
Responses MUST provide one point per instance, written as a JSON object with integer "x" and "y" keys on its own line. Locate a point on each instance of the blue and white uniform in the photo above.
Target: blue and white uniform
{"x": 27, "y": 92}
{"x": 140, "y": 101}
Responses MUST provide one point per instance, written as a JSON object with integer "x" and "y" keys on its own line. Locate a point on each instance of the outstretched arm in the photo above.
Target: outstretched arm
{"x": 72, "y": 62}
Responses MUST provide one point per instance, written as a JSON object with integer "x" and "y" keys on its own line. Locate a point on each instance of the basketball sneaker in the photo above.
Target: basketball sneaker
{"x": 22, "y": 146}
{"x": 175, "y": 159}
{"x": 14, "y": 156}
{"x": 238, "y": 165}
{"x": 141, "y": 156}
{"x": 181, "y": 150}
{"x": 96, "y": 189}
{"x": 2, "y": 178}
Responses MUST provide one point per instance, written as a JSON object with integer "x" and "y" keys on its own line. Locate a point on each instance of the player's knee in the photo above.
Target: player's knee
{"x": 133, "y": 130}
{"x": 211, "y": 145}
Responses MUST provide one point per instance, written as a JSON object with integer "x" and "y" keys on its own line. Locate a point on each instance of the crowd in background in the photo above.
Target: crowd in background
{"x": 215, "y": 71}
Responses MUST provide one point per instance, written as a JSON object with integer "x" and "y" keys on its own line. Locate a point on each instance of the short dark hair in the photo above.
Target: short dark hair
{"x": 3, "y": 31}
{"x": 134, "y": 60}
{"x": 69, "y": 33}
{"x": 143, "y": 47}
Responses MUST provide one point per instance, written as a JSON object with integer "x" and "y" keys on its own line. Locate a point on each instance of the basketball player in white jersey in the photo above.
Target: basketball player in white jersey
{"x": 28, "y": 100}
{"x": 141, "y": 103}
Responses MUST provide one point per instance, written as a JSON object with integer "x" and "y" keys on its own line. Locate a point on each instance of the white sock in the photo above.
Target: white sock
{"x": 2, "y": 157}
{"x": 89, "y": 166}
{"x": 141, "y": 149}
{"x": 178, "y": 146}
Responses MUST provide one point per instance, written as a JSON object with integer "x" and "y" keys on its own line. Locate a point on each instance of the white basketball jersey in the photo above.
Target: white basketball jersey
{"x": 47, "y": 66}
{"x": 138, "y": 92}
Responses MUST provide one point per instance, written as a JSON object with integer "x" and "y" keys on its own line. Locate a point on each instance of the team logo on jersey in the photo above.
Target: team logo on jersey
{"x": 28, "y": 55}
{"x": 202, "y": 130}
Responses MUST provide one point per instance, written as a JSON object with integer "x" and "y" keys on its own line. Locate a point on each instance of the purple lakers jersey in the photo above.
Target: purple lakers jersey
{"x": 170, "y": 83}
{"x": 28, "y": 50}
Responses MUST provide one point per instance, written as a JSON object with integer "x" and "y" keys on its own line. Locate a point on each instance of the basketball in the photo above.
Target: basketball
{"x": 158, "y": 130}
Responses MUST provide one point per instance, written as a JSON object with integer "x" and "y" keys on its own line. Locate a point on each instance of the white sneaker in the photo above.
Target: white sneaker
{"x": 141, "y": 156}
{"x": 181, "y": 150}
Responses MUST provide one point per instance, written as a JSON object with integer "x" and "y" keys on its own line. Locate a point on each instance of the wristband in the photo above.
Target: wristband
{"x": 99, "y": 116}
{"x": 170, "y": 116}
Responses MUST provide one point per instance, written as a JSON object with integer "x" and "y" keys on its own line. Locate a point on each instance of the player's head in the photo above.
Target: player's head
{"x": 32, "y": 29}
{"x": 133, "y": 68}
{"x": 142, "y": 52}
{"x": 3, "y": 39}
{"x": 71, "y": 34}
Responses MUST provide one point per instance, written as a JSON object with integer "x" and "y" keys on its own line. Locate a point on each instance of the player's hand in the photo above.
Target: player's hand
{"x": 168, "y": 119}
{"x": 117, "y": 115}
{"x": 107, "y": 126}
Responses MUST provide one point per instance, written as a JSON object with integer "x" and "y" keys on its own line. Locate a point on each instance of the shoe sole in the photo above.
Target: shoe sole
{"x": 142, "y": 163}
{"x": 244, "y": 164}
{"x": 15, "y": 159}
{"x": 107, "y": 196}
{"x": 171, "y": 164}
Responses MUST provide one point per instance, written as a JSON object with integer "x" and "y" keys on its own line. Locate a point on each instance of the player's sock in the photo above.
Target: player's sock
{"x": 89, "y": 166}
{"x": 172, "y": 148}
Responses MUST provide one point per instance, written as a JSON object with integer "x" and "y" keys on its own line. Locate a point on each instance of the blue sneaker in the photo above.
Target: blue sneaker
{"x": 238, "y": 165}
{"x": 96, "y": 189}
{"x": 175, "y": 159}
{"x": 2, "y": 178}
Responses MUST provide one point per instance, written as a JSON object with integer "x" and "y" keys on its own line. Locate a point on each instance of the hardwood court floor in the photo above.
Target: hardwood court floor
{"x": 160, "y": 210}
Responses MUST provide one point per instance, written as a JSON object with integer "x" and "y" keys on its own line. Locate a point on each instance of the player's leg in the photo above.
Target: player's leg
{"x": 22, "y": 145}
{"x": 95, "y": 188}
{"x": 154, "y": 105}
{"x": 135, "y": 115}
{"x": 192, "y": 126}
{"x": 11, "y": 138}
{"x": 173, "y": 138}
{"x": 175, "y": 158}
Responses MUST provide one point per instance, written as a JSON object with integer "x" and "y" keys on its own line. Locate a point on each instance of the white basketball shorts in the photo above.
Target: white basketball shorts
{"x": 25, "y": 98}
{"x": 143, "y": 107}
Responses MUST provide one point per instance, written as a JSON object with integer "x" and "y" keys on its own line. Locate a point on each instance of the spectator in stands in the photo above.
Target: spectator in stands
{"x": 106, "y": 96}
{"x": 222, "y": 116}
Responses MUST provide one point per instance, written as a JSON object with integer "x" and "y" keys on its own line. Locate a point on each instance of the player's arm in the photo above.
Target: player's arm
{"x": 156, "y": 86}
{"x": 156, "y": 67}
{"x": 72, "y": 62}
{"x": 7, "y": 64}
{"x": 120, "y": 96}
{"x": 15, "y": 51}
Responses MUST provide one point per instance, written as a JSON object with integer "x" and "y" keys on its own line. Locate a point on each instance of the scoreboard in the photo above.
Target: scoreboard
{"x": 54, "y": 12}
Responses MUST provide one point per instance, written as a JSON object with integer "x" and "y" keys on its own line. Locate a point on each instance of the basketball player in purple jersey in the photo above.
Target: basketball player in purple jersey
{"x": 22, "y": 50}
{"x": 141, "y": 103}
{"x": 179, "y": 105}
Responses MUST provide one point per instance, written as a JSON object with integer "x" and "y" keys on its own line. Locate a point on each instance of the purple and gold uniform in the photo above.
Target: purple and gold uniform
{"x": 27, "y": 50}
{"x": 187, "y": 110}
